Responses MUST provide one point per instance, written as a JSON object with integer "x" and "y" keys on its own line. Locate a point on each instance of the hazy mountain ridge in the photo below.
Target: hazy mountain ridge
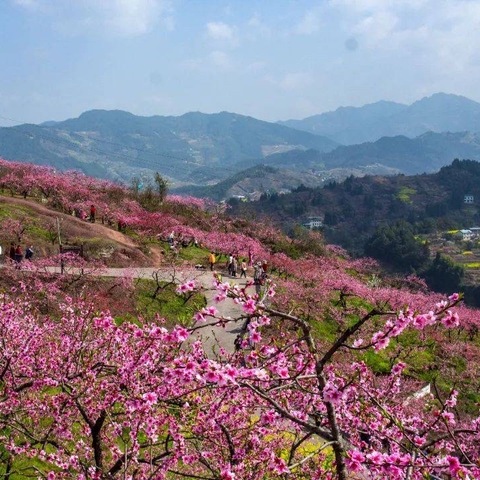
{"x": 425, "y": 153}
{"x": 204, "y": 149}
{"x": 194, "y": 147}
{"x": 388, "y": 156}
{"x": 440, "y": 112}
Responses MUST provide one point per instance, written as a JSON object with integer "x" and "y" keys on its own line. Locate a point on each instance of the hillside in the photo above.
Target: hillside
{"x": 253, "y": 182}
{"x": 130, "y": 375}
{"x": 194, "y": 148}
{"x": 351, "y": 125}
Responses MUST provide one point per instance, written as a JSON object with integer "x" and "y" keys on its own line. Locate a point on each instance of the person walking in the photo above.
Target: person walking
{"x": 257, "y": 277}
{"x": 243, "y": 269}
{"x": 18, "y": 255}
{"x": 93, "y": 211}
{"x": 212, "y": 260}
{"x": 29, "y": 253}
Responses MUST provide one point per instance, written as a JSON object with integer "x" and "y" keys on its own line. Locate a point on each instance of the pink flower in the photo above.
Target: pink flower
{"x": 453, "y": 464}
{"x": 279, "y": 466}
{"x": 454, "y": 297}
{"x": 227, "y": 474}
{"x": 255, "y": 337}
{"x": 150, "y": 398}
{"x": 375, "y": 457}
{"x": 398, "y": 368}
{"x": 186, "y": 287}
{"x": 452, "y": 401}
{"x": 450, "y": 320}
{"x": 449, "y": 417}
{"x": 380, "y": 341}
{"x": 180, "y": 333}
{"x": 211, "y": 310}
{"x": 331, "y": 394}
{"x": 249, "y": 306}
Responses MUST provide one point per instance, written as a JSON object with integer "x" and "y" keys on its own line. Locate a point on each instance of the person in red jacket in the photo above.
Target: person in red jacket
{"x": 18, "y": 255}
{"x": 93, "y": 210}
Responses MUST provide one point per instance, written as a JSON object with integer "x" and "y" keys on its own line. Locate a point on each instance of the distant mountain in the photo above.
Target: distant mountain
{"x": 348, "y": 125}
{"x": 193, "y": 148}
{"x": 438, "y": 113}
{"x": 425, "y": 153}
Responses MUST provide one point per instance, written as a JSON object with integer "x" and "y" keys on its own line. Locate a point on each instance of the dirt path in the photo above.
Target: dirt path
{"x": 213, "y": 337}
{"x": 94, "y": 229}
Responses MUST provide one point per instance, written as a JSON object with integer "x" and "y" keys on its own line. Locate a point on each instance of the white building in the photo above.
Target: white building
{"x": 466, "y": 234}
{"x": 313, "y": 222}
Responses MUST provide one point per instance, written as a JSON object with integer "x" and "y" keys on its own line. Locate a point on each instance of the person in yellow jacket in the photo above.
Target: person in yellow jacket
{"x": 212, "y": 260}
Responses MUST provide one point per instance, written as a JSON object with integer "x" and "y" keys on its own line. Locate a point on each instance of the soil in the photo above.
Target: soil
{"x": 126, "y": 254}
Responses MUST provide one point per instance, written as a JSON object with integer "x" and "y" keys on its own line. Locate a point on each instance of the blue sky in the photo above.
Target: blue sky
{"x": 271, "y": 59}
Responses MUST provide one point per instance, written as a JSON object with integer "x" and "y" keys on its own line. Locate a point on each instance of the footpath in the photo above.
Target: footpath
{"x": 214, "y": 337}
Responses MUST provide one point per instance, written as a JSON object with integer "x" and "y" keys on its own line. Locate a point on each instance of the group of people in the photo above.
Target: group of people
{"x": 234, "y": 266}
{"x": 16, "y": 253}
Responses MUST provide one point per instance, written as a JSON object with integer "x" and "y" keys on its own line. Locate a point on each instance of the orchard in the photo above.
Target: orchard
{"x": 328, "y": 380}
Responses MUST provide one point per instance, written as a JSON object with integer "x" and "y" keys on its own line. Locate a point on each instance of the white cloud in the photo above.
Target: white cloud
{"x": 255, "y": 67}
{"x": 120, "y": 17}
{"x": 217, "y": 60}
{"x": 257, "y": 27}
{"x": 220, "y": 60}
{"x": 377, "y": 26}
{"x": 26, "y": 3}
{"x": 295, "y": 81}
{"x": 221, "y": 31}
{"x": 309, "y": 24}
{"x": 132, "y": 17}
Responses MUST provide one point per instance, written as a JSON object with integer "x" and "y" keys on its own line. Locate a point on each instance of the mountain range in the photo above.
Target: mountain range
{"x": 193, "y": 148}
{"x": 197, "y": 149}
{"x": 440, "y": 112}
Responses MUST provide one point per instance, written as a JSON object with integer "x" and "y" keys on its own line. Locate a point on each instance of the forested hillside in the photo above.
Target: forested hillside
{"x": 358, "y": 209}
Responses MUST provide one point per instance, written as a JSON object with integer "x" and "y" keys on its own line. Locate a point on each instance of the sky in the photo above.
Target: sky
{"x": 269, "y": 59}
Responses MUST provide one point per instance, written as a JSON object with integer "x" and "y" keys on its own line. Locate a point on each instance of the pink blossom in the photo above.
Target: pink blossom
{"x": 150, "y": 398}
{"x": 332, "y": 394}
{"x": 227, "y": 474}
{"x": 398, "y": 368}
{"x": 250, "y": 306}
{"x": 449, "y": 417}
{"x": 380, "y": 341}
{"x": 279, "y": 466}
{"x": 451, "y": 319}
{"x": 453, "y": 464}
{"x": 452, "y": 401}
